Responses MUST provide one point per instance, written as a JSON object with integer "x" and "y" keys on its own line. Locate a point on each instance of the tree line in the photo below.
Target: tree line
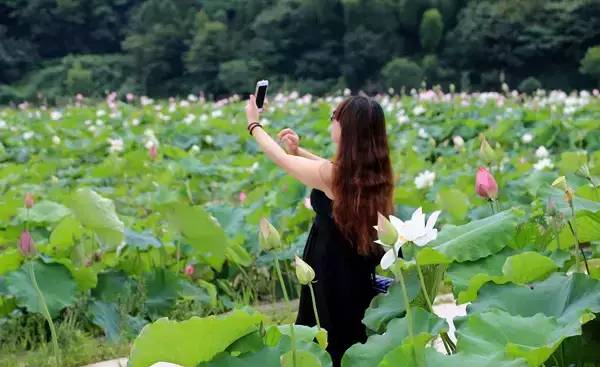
{"x": 53, "y": 48}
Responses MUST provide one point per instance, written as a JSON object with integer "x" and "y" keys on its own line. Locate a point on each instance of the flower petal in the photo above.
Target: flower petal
{"x": 388, "y": 259}
{"x": 432, "y": 219}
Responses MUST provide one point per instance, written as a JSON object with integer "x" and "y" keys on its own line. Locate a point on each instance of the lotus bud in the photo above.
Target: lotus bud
{"x": 189, "y": 270}
{"x": 29, "y": 200}
{"x": 243, "y": 197}
{"x": 485, "y": 184}
{"x": 153, "y": 151}
{"x": 304, "y": 272}
{"x": 386, "y": 232}
{"x": 26, "y": 245}
{"x": 486, "y": 152}
{"x": 268, "y": 236}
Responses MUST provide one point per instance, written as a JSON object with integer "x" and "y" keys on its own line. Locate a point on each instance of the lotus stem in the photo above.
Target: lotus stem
{"x": 45, "y": 313}
{"x": 448, "y": 344}
{"x": 314, "y": 304}
{"x": 577, "y": 243}
{"x": 289, "y": 305}
{"x": 492, "y": 206}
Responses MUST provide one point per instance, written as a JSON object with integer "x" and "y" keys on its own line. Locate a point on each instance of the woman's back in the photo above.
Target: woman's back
{"x": 343, "y": 281}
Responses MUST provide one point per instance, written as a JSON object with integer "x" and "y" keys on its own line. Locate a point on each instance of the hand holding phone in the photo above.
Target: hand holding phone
{"x": 261, "y": 93}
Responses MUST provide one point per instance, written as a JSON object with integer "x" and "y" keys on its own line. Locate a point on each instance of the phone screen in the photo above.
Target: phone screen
{"x": 260, "y": 96}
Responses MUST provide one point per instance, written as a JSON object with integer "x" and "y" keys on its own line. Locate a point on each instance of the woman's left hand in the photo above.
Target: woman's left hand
{"x": 252, "y": 114}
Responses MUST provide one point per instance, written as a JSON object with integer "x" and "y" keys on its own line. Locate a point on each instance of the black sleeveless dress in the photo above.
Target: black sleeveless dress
{"x": 343, "y": 281}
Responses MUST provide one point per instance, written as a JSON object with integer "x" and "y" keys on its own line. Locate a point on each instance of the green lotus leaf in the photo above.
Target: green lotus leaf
{"x": 190, "y": 342}
{"x": 203, "y": 233}
{"x": 162, "y": 289}
{"x": 10, "y": 260}
{"x": 461, "y": 359}
{"x": 43, "y": 212}
{"x": 266, "y": 357}
{"x": 54, "y": 280}
{"x": 568, "y": 298}
{"x": 387, "y": 306}
{"x": 65, "y": 233}
{"x": 98, "y": 214}
{"x": 475, "y": 240}
{"x": 586, "y": 225}
{"x": 527, "y": 267}
{"x": 371, "y": 353}
{"x": 532, "y": 338}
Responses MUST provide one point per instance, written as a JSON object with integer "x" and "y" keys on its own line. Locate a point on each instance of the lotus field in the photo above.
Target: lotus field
{"x": 159, "y": 223}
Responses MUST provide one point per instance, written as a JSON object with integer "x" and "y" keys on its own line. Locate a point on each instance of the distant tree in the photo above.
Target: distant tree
{"x": 157, "y": 41}
{"x": 590, "y": 64}
{"x": 238, "y": 76}
{"x": 431, "y": 30}
{"x": 79, "y": 80}
{"x": 401, "y": 73}
{"x": 529, "y": 85}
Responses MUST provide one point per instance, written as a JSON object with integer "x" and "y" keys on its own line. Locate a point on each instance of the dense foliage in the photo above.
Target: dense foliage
{"x": 50, "y": 48}
{"x": 141, "y": 209}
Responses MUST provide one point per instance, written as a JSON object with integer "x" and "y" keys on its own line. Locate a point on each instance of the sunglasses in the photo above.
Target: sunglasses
{"x": 332, "y": 117}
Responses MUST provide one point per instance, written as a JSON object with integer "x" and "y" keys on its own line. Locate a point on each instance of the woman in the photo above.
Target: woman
{"x": 346, "y": 196}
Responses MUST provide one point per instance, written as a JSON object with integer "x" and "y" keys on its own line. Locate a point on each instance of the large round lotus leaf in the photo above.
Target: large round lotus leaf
{"x": 474, "y": 240}
{"x": 190, "y": 342}
{"x": 405, "y": 357}
{"x": 266, "y": 357}
{"x": 203, "y": 233}
{"x": 387, "y": 306}
{"x": 467, "y": 277}
{"x": 303, "y": 359}
{"x": 532, "y": 338}
{"x": 568, "y": 298}
{"x": 527, "y": 267}
{"x": 10, "y": 260}
{"x": 54, "y": 280}
{"x": 98, "y": 214}
{"x": 44, "y": 212}
{"x": 425, "y": 327}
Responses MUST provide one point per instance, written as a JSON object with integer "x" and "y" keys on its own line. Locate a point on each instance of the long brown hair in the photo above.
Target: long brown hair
{"x": 363, "y": 181}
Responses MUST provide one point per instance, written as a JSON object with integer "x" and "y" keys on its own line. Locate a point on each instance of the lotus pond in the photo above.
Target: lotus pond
{"x": 134, "y": 223}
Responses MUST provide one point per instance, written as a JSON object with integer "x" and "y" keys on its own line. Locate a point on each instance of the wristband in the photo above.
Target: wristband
{"x": 254, "y": 127}
{"x": 251, "y": 125}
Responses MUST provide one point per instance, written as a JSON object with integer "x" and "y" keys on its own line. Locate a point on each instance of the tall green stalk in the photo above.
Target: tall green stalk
{"x": 287, "y": 300}
{"x": 577, "y": 243}
{"x": 45, "y": 313}
{"x": 448, "y": 344}
{"x": 314, "y": 304}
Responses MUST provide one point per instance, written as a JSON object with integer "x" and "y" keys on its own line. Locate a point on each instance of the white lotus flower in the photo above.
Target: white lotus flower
{"x": 189, "y": 119}
{"x": 116, "y": 145}
{"x": 424, "y": 179}
{"x": 217, "y": 113}
{"x": 418, "y": 110}
{"x": 422, "y": 133}
{"x": 28, "y": 135}
{"x": 542, "y": 152}
{"x": 195, "y": 148}
{"x": 55, "y": 115}
{"x": 458, "y": 141}
{"x": 55, "y": 140}
{"x": 100, "y": 113}
{"x": 2, "y": 124}
{"x": 527, "y": 138}
{"x": 414, "y": 230}
{"x": 542, "y": 164}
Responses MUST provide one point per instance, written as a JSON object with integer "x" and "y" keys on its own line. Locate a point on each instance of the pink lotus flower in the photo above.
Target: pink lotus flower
{"x": 485, "y": 184}
{"x": 130, "y": 97}
{"x": 153, "y": 151}
{"x": 26, "y": 245}
{"x": 29, "y": 200}
{"x": 189, "y": 270}
{"x": 243, "y": 196}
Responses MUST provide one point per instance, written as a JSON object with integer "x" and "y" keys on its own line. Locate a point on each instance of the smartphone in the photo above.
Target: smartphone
{"x": 261, "y": 93}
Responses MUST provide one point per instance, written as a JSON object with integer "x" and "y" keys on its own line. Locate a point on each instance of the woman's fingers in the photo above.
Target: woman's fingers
{"x": 284, "y": 132}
